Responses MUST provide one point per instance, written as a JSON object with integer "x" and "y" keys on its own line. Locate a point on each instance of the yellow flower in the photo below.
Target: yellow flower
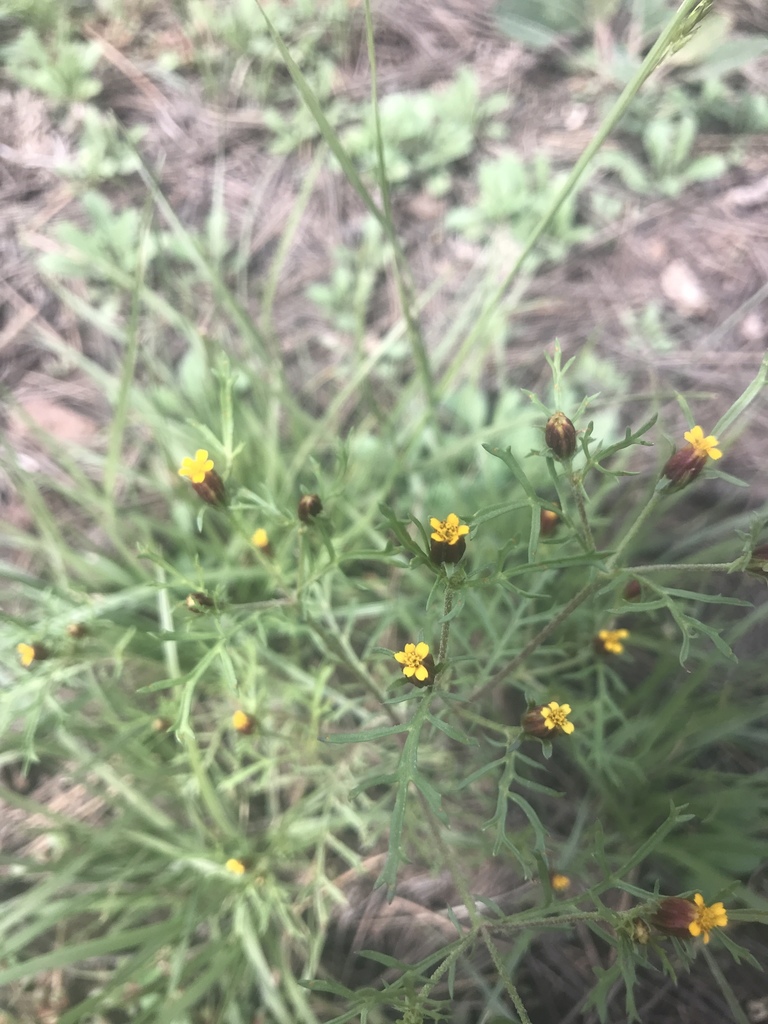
{"x": 448, "y": 530}
{"x": 260, "y": 539}
{"x": 196, "y": 468}
{"x": 609, "y": 640}
{"x": 547, "y": 720}
{"x": 26, "y": 654}
{"x": 703, "y": 445}
{"x": 681, "y": 917}
{"x": 235, "y": 866}
{"x": 417, "y": 662}
{"x": 706, "y": 917}
{"x": 243, "y": 722}
{"x": 556, "y": 717}
{"x": 560, "y": 882}
{"x": 683, "y": 466}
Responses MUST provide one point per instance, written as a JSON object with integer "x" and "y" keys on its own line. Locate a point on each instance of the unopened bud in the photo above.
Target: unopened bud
{"x": 758, "y": 562}
{"x": 198, "y": 602}
{"x": 560, "y": 435}
{"x": 243, "y": 723}
{"x": 309, "y": 507}
{"x": 548, "y": 522}
{"x": 632, "y": 591}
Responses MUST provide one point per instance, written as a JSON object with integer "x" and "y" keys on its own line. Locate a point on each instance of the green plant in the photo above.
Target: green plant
{"x": 215, "y": 607}
{"x": 59, "y": 67}
{"x": 512, "y": 196}
{"x": 423, "y": 133}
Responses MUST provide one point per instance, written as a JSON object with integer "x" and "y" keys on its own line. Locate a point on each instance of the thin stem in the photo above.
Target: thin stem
{"x": 630, "y": 534}
{"x": 578, "y": 495}
{"x": 445, "y": 632}
{"x": 514, "y": 995}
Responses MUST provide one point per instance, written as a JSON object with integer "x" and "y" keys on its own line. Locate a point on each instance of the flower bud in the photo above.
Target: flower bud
{"x": 447, "y": 543}
{"x": 632, "y": 591}
{"x": 686, "y": 463}
{"x": 309, "y": 507}
{"x": 76, "y": 630}
{"x": 161, "y": 724}
{"x": 548, "y": 522}
{"x": 204, "y": 478}
{"x": 559, "y": 882}
{"x": 560, "y": 436}
{"x": 688, "y": 918}
{"x": 674, "y": 916}
{"x": 198, "y": 602}
{"x": 758, "y": 562}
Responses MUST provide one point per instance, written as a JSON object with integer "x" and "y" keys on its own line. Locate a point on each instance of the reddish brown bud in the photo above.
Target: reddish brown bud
{"x": 76, "y": 630}
{"x": 211, "y": 489}
{"x": 560, "y": 435}
{"x": 548, "y": 522}
{"x": 683, "y": 467}
{"x": 161, "y": 724}
{"x": 632, "y": 591}
{"x": 674, "y": 917}
{"x": 309, "y": 507}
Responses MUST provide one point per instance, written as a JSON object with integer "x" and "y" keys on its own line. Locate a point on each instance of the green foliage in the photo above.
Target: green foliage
{"x": 513, "y": 195}
{"x": 58, "y": 67}
{"x": 181, "y": 620}
{"x": 424, "y": 133}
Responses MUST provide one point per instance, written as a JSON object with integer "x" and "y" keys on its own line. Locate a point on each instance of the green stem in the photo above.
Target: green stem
{"x": 632, "y": 531}
{"x": 445, "y": 631}
{"x": 542, "y": 635}
{"x": 682, "y": 567}
{"x": 578, "y": 495}
{"x": 498, "y": 963}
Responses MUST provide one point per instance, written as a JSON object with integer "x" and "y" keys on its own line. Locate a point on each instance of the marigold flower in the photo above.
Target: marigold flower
{"x": 418, "y": 664}
{"x": 608, "y": 641}
{"x": 684, "y": 918}
{"x": 204, "y": 478}
{"x": 547, "y": 720}
{"x": 243, "y": 722}
{"x": 29, "y": 653}
{"x": 685, "y": 464}
{"x": 260, "y": 539}
{"x": 235, "y": 866}
{"x": 309, "y": 507}
{"x": 447, "y": 542}
{"x": 560, "y": 883}
{"x": 560, "y": 435}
